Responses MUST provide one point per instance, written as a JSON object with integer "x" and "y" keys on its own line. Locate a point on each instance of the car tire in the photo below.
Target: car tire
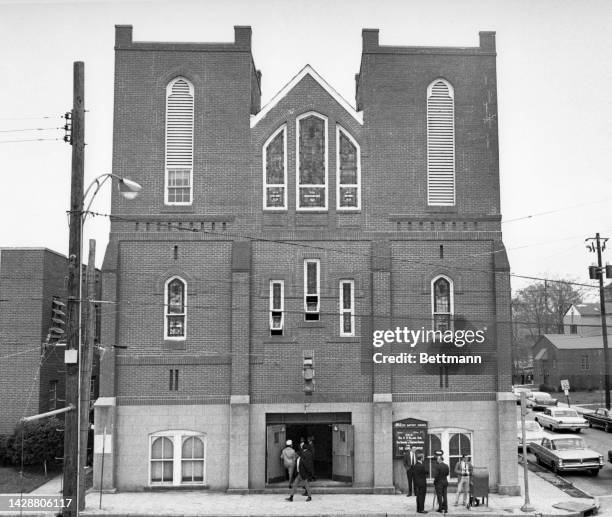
{"x": 578, "y": 430}
{"x": 594, "y": 472}
{"x": 607, "y": 428}
{"x": 555, "y": 468}
{"x": 590, "y": 424}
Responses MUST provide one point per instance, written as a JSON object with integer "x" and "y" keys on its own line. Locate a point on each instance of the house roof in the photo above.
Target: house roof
{"x": 588, "y": 309}
{"x": 573, "y": 342}
{"x": 307, "y": 70}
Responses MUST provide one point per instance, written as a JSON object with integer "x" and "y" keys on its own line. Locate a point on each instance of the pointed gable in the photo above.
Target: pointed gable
{"x": 307, "y": 71}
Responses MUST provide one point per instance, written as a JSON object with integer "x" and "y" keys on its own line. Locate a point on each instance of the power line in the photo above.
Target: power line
{"x": 30, "y": 140}
{"x": 548, "y": 212}
{"x": 29, "y": 129}
{"x": 33, "y": 118}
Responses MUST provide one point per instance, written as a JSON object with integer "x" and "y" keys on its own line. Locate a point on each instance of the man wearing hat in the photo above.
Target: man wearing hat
{"x": 288, "y": 457}
{"x": 440, "y": 476}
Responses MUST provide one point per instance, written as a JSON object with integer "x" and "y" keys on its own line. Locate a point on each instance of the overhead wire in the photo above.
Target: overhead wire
{"x": 342, "y": 251}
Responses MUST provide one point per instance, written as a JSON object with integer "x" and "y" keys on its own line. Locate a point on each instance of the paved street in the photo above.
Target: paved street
{"x": 599, "y": 486}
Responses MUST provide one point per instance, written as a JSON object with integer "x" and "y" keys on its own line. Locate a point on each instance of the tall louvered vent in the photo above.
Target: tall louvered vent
{"x": 440, "y": 145}
{"x": 179, "y": 141}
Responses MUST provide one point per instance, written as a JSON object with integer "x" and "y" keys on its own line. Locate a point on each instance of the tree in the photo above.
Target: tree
{"x": 38, "y": 442}
{"x": 539, "y": 309}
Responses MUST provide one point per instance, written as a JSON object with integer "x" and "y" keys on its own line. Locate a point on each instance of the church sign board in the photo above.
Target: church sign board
{"x": 407, "y": 432}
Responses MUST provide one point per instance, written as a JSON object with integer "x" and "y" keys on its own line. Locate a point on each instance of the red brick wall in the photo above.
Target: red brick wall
{"x": 228, "y": 195}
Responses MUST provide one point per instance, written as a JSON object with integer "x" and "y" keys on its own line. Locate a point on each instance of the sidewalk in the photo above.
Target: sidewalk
{"x": 209, "y": 504}
{"x": 219, "y": 504}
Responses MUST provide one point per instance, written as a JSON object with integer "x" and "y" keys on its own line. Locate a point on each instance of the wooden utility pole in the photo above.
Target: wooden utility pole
{"x": 73, "y": 307}
{"x": 87, "y": 354}
{"x": 604, "y": 323}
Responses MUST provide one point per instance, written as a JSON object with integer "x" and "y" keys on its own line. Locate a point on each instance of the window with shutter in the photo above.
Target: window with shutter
{"x": 179, "y": 142}
{"x": 440, "y": 144}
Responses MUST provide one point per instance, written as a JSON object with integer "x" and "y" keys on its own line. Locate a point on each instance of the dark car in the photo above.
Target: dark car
{"x": 600, "y": 418}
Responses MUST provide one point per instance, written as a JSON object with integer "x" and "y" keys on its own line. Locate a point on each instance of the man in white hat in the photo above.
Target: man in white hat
{"x": 288, "y": 456}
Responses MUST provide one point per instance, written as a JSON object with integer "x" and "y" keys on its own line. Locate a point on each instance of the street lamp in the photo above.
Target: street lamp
{"x": 78, "y": 390}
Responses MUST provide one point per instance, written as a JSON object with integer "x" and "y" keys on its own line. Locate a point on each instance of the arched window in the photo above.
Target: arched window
{"x": 179, "y": 142}
{"x": 162, "y": 454}
{"x": 442, "y": 303}
{"x": 458, "y": 444}
{"x": 348, "y": 171}
{"x": 453, "y": 443}
{"x": 275, "y": 170}
{"x": 177, "y": 458}
{"x": 175, "y": 309}
{"x": 440, "y": 144}
{"x": 311, "y": 144}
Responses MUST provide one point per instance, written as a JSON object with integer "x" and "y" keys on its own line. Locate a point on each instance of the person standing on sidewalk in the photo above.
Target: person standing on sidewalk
{"x": 441, "y": 472}
{"x": 305, "y": 470}
{"x": 288, "y": 456}
{"x": 464, "y": 470}
{"x": 409, "y": 463}
{"x": 419, "y": 478}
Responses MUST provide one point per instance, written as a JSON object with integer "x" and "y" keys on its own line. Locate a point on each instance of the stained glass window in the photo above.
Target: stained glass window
{"x": 175, "y": 308}
{"x": 275, "y": 175}
{"x": 312, "y": 176}
{"x": 442, "y": 304}
{"x": 349, "y": 187}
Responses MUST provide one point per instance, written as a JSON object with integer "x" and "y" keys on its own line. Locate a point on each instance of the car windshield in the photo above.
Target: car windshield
{"x": 530, "y": 425}
{"x": 565, "y": 413}
{"x": 563, "y": 444}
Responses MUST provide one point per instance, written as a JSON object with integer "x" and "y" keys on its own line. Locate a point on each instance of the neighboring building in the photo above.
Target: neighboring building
{"x": 576, "y": 358}
{"x": 32, "y": 374}
{"x": 584, "y": 319}
{"x": 267, "y": 237}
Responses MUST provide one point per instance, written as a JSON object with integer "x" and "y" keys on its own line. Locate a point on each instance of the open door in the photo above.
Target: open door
{"x": 275, "y": 443}
{"x": 342, "y": 452}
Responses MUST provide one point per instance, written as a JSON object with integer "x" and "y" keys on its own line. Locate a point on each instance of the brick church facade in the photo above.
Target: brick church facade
{"x": 267, "y": 238}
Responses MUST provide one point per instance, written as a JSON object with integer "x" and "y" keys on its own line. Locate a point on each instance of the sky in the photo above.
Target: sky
{"x": 554, "y": 101}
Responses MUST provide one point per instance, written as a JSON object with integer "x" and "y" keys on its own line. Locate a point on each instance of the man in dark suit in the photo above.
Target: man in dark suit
{"x": 419, "y": 478}
{"x": 305, "y": 470}
{"x": 441, "y": 471}
{"x": 409, "y": 463}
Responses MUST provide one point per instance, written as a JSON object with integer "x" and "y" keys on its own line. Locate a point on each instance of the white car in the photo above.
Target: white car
{"x": 540, "y": 400}
{"x": 533, "y": 433}
{"x": 517, "y": 390}
{"x": 557, "y": 419}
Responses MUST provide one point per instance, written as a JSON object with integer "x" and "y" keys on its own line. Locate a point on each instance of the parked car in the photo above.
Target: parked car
{"x": 539, "y": 400}
{"x": 566, "y": 452}
{"x": 517, "y": 390}
{"x": 600, "y": 418}
{"x": 557, "y": 419}
{"x": 533, "y": 433}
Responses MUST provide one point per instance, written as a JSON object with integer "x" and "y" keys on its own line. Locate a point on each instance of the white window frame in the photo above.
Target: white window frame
{"x": 451, "y": 290}
{"x": 318, "y": 290}
{"x": 451, "y": 92}
{"x": 167, "y": 313}
{"x": 280, "y": 309}
{"x": 340, "y": 129}
{"x": 166, "y": 167}
{"x": 344, "y": 311}
{"x": 445, "y": 434}
{"x": 266, "y": 185}
{"x": 297, "y": 164}
{"x": 177, "y": 438}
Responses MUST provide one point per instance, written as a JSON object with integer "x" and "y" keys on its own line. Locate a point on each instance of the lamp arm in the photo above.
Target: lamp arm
{"x": 98, "y": 184}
